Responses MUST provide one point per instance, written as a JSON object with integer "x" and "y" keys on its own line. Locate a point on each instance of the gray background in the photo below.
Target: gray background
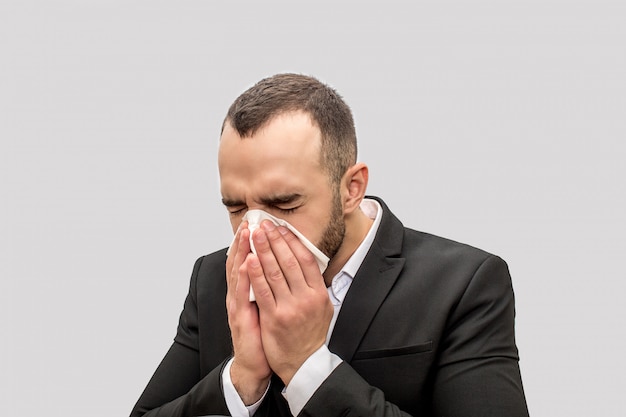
{"x": 495, "y": 123}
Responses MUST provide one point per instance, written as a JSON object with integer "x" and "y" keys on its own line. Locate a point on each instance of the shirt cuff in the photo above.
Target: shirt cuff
{"x": 309, "y": 377}
{"x": 235, "y": 405}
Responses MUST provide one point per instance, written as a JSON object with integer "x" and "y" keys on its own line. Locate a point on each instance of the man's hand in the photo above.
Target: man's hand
{"x": 294, "y": 308}
{"x": 250, "y": 372}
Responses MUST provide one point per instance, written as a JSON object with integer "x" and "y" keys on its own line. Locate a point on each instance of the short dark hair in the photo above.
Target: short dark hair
{"x": 284, "y": 93}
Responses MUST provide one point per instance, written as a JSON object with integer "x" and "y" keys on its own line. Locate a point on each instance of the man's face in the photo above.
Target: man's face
{"x": 278, "y": 170}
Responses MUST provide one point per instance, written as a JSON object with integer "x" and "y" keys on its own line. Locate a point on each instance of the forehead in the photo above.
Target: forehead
{"x": 283, "y": 153}
{"x": 288, "y": 136}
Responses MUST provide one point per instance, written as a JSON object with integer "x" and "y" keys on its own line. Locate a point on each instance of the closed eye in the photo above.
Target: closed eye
{"x": 234, "y": 207}
{"x": 287, "y": 210}
{"x": 236, "y": 211}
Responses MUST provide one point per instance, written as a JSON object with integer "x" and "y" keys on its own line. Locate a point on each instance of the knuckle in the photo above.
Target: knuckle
{"x": 230, "y": 303}
{"x": 264, "y": 292}
{"x": 263, "y": 249}
{"x": 286, "y": 317}
{"x": 290, "y": 237}
{"x": 292, "y": 263}
{"x": 275, "y": 275}
{"x": 320, "y": 299}
{"x": 308, "y": 259}
{"x": 273, "y": 235}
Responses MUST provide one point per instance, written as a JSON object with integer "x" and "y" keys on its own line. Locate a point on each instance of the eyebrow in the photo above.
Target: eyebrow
{"x": 232, "y": 203}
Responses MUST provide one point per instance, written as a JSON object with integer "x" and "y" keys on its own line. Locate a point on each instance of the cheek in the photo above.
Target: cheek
{"x": 235, "y": 221}
{"x": 312, "y": 227}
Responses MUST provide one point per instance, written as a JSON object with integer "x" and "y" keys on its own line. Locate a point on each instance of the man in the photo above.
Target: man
{"x": 400, "y": 323}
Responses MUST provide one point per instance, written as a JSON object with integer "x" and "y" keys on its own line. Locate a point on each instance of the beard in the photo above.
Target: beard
{"x": 335, "y": 231}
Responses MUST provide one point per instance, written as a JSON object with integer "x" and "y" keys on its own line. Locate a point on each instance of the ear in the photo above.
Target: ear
{"x": 353, "y": 186}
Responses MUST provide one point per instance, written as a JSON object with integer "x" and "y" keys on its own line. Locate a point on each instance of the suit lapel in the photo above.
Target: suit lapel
{"x": 373, "y": 281}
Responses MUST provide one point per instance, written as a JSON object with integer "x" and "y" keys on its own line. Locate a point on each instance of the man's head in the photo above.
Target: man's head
{"x": 288, "y": 146}
{"x": 287, "y": 93}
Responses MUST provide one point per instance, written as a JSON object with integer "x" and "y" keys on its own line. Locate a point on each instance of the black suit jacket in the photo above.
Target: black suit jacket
{"x": 426, "y": 329}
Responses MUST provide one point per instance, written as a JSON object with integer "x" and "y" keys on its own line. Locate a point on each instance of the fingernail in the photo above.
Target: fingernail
{"x": 268, "y": 226}
{"x": 259, "y": 237}
{"x": 283, "y": 230}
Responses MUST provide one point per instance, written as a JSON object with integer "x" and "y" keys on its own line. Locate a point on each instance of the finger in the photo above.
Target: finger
{"x": 287, "y": 259}
{"x": 230, "y": 252}
{"x": 306, "y": 261}
{"x": 242, "y": 287}
{"x": 256, "y": 277}
{"x": 240, "y": 250}
{"x": 269, "y": 255}
{"x": 235, "y": 245}
{"x": 243, "y": 244}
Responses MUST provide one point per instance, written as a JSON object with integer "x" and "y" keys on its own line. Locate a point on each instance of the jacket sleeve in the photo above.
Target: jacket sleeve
{"x": 177, "y": 387}
{"x": 476, "y": 372}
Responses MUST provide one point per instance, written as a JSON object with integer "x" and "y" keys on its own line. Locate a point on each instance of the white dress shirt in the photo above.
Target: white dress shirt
{"x": 320, "y": 364}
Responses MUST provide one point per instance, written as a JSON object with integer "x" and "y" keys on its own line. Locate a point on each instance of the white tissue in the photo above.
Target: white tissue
{"x": 255, "y": 217}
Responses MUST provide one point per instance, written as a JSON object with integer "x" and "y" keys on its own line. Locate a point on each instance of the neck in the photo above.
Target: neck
{"x": 357, "y": 226}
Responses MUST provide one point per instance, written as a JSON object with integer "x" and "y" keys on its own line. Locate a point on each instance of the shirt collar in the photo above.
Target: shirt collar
{"x": 341, "y": 282}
